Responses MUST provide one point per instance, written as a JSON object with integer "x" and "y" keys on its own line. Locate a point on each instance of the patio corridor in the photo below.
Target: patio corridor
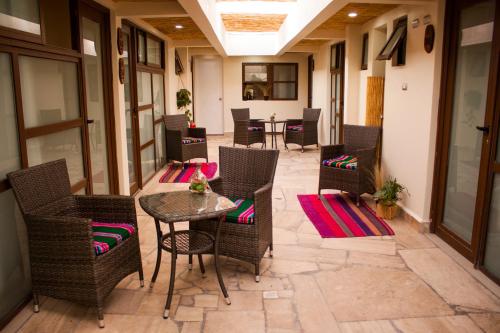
{"x": 407, "y": 283}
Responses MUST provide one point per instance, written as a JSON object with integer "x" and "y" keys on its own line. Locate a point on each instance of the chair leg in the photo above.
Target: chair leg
{"x": 202, "y": 266}
{"x": 271, "y": 250}
{"x": 36, "y": 304}
{"x": 302, "y": 150}
{"x": 357, "y": 200}
{"x": 100, "y": 317}
{"x": 141, "y": 276}
{"x": 257, "y": 273}
{"x": 190, "y": 264}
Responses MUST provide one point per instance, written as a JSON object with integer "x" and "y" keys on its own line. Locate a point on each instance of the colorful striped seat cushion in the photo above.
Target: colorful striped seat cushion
{"x": 295, "y": 128}
{"x": 342, "y": 162}
{"x": 189, "y": 140}
{"x": 108, "y": 235}
{"x": 244, "y": 214}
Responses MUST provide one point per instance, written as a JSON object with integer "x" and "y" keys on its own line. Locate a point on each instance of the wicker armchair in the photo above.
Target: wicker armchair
{"x": 184, "y": 143}
{"x": 303, "y": 132}
{"x": 246, "y": 174}
{"x": 360, "y": 142}
{"x": 63, "y": 258}
{"x": 247, "y": 131}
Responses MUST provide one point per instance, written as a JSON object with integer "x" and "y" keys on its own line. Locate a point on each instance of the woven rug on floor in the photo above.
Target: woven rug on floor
{"x": 337, "y": 216}
{"x": 181, "y": 173}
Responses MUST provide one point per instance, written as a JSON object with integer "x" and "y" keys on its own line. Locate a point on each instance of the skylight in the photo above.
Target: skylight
{"x": 255, "y": 7}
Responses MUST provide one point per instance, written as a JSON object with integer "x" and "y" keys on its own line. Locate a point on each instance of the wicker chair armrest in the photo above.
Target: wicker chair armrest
{"x": 256, "y": 123}
{"x": 216, "y": 185}
{"x": 256, "y": 119}
{"x": 366, "y": 157}
{"x": 71, "y": 238}
{"x": 331, "y": 151}
{"x": 108, "y": 208}
{"x": 197, "y": 132}
{"x": 310, "y": 125}
{"x": 294, "y": 122}
{"x": 263, "y": 199}
{"x": 174, "y": 138}
{"x": 241, "y": 126}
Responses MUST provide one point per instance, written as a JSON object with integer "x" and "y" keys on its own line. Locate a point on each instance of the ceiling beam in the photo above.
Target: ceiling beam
{"x": 150, "y": 9}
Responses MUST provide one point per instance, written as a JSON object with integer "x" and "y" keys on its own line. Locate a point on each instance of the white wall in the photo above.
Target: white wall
{"x": 410, "y": 116}
{"x": 232, "y": 85}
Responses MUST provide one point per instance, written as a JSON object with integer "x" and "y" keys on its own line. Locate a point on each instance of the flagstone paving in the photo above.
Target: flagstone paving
{"x": 402, "y": 283}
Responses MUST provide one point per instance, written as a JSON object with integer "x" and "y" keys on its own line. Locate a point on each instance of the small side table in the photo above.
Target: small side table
{"x": 274, "y": 132}
{"x": 178, "y": 206}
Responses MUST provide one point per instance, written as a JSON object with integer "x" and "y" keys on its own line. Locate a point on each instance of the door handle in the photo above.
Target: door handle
{"x": 90, "y": 121}
{"x": 485, "y": 129}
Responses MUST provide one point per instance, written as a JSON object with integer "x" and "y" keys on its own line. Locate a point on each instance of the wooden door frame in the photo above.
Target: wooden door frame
{"x": 445, "y": 114}
{"x": 310, "y": 73}
{"x": 339, "y": 70}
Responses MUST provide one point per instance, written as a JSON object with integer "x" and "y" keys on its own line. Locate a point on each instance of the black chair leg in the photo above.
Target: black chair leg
{"x": 257, "y": 273}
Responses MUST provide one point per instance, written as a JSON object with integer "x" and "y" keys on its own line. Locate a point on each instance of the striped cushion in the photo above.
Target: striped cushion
{"x": 342, "y": 162}
{"x": 108, "y": 235}
{"x": 295, "y": 128}
{"x": 189, "y": 140}
{"x": 245, "y": 214}
{"x": 255, "y": 128}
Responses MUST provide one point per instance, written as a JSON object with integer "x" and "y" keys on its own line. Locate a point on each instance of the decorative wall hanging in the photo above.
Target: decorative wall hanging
{"x": 430, "y": 34}
{"x": 119, "y": 40}
{"x": 121, "y": 70}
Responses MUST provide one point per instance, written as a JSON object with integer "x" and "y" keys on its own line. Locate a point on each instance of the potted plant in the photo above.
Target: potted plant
{"x": 387, "y": 198}
{"x": 183, "y": 101}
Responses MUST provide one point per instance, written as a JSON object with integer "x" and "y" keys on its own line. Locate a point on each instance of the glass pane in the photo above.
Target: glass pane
{"x": 284, "y": 73}
{"x": 284, "y": 90}
{"x": 148, "y": 162}
{"x": 469, "y": 104}
{"x": 154, "y": 52}
{"x": 96, "y": 107}
{"x": 128, "y": 115}
{"x": 57, "y": 23}
{"x": 142, "y": 48}
{"x": 159, "y": 99}
{"x": 144, "y": 88}
{"x": 255, "y": 73}
{"x": 396, "y": 36}
{"x": 333, "y": 60}
{"x": 66, "y": 144}
{"x": 14, "y": 264}
{"x": 161, "y": 148}
{"x": 9, "y": 154}
{"x": 145, "y": 126}
{"x": 491, "y": 262}
{"x": 23, "y": 15}
{"x": 49, "y": 90}
{"x": 337, "y": 107}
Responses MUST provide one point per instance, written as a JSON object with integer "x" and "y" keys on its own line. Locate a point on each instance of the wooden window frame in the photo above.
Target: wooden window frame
{"x": 270, "y": 79}
{"x": 364, "y": 52}
{"x": 399, "y": 48}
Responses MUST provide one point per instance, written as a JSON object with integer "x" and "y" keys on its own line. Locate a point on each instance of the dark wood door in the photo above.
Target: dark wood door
{"x": 337, "y": 71}
{"x": 465, "y": 127}
{"x": 310, "y": 70}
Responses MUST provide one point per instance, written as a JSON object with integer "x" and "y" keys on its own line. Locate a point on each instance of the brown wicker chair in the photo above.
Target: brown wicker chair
{"x": 247, "y": 131}
{"x": 63, "y": 260}
{"x": 361, "y": 142}
{"x": 179, "y": 137}
{"x": 246, "y": 174}
{"x": 306, "y": 132}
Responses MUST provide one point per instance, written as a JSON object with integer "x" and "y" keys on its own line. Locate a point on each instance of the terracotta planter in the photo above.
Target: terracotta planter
{"x": 387, "y": 212}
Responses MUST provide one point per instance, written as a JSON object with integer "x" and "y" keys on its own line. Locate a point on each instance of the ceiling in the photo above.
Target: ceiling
{"x": 253, "y": 22}
{"x": 166, "y": 25}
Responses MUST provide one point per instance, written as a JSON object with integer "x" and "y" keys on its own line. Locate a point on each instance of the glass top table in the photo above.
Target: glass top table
{"x": 274, "y": 132}
{"x": 179, "y": 206}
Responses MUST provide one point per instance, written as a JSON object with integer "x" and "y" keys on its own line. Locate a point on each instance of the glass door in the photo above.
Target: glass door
{"x": 337, "y": 70}
{"x": 464, "y": 133}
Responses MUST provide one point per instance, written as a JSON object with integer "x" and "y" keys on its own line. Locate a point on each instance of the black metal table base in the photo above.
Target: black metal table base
{"x": 188, "y": 247}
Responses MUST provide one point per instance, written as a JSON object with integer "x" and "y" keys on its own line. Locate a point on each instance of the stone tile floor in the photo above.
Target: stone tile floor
{"x": 407, "y": 283}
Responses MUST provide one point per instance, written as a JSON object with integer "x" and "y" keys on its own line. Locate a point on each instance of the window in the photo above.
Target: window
{"x": 270, "y": 81}
{"x": 396, "y": 45}
{"x": 364, "y": 55}
{"x": 21, "y": 15}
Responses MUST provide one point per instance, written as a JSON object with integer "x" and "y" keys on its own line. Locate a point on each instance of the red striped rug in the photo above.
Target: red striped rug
{"x": 181, "y": 173}
{"x": 337, "y": 216}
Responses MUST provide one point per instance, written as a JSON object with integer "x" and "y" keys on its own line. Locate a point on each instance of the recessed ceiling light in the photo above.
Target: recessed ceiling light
{"x": 179, "y": 26}
{"x": 352, "y": 14}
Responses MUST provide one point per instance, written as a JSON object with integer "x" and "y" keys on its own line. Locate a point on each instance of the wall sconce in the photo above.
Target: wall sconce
{"x": 427, "y": 19}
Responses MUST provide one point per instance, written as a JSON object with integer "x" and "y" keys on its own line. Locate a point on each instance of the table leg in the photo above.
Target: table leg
{"x": 202, "y": 267}
{"x": 216, "y": 259}
{"x": 159, "y": 235}
{"x": 172, "y": 271}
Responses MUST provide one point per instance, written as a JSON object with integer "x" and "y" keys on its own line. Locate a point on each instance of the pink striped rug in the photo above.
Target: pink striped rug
{"x": 337, "y": 216}
{"x": 181, "y": 173}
